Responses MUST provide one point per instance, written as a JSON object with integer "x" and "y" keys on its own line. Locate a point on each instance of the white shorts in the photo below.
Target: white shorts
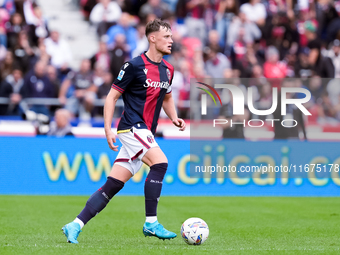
{"x": 135, "y": 143}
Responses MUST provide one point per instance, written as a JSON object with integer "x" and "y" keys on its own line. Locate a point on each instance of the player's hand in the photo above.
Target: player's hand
{"x": 179, "y": 123}
{"x": 111, "y": 139}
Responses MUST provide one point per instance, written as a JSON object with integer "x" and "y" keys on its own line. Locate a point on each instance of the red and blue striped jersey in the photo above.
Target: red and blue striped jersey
{"x": 143, "y": 84}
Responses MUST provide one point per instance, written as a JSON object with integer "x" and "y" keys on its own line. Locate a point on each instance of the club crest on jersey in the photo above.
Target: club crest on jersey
{"x": 150, "y": 139}
{"x": 168, "y": 74}
{"x": 120, "y": 75}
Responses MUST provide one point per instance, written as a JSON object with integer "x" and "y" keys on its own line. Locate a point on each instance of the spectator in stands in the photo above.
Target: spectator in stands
{"x": 61, "y": 126}
{"x": 303, "y": 68}
{"x": 157, "y": 7}
{"x": 227, "y": 10}
{"x": 82, "y": 91}
{"x": 245, "y": 61}
{"x": 334, "y": 55}
{"x": 105, "y": 14}
{"x": 184, "y": 90}
{"x": 325, "y": 14}
{"x": 142, "y": 41}
{"x": 103, "y": 90}
{"x": 290, "y": 59}
{"x": 238, "y": 50}
{"x": 23, "y": 52}
{"x": 52, "y": 75}
{"x": 38, "y": 30}
{"x": 105, "y": 87}
{"x": 98, "y": 75}
{"x": 8, "y": 5}
{"x": 255, "y": 11}
{"x": 321, "y": 65}
{"x": 216, "y": 63}
{"x": 6, "y": 66}
{"x": 194, "y": 21}
{"x": 11, "y": 87}
{"x": 214, "y": 40}
{"x": 101, "y": 58}
{"x": 273, "y": 68}
{"x": 26, "y": 9}
{"x": 60, "y": 52}
{"x": 14, "y": 27}
{"x": 251, "y": 31}
{"x": 123, "y": 27}
{"x": 87, "y": 7}
{"x": 257, "y": 79}
{"x": 303, "y": 17}
{"x": 41, "y": 53}
{"x": 119, "y": 54}
{"x": 4, "y": 18}
{"x": 37, "y": 84}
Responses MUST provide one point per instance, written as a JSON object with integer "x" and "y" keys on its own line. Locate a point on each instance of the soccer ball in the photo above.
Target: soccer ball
{"x": 194, "y": 231}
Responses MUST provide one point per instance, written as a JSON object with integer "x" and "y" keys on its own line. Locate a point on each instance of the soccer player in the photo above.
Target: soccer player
{"x": 145, "y": 84}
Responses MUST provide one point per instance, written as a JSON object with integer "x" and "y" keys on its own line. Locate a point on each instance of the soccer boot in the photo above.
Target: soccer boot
{"x": 71, "y": 231}
{"x": 156, "y": 229}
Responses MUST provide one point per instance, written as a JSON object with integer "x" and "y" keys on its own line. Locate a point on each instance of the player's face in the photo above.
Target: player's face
{"x": 164, "y": 41}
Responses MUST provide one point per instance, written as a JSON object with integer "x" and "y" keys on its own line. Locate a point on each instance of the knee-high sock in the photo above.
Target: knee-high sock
{"x": 153, "y": 188}
{"x": 100, "y": 199}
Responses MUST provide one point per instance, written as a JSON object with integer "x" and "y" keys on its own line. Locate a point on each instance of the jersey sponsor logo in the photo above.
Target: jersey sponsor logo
{"x": 145, "y": 71}
{"x": 126, "y": 65}
{"x": 156, "y": 84}
{"x": 120, "y": 75}
{"x": 168, "y": 74}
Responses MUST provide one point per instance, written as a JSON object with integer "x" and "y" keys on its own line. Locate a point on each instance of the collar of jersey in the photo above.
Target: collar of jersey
{"x": 155, "y": 63}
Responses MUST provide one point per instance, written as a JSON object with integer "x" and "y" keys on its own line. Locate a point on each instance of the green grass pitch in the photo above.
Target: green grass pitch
{"x": 238, "y": 225}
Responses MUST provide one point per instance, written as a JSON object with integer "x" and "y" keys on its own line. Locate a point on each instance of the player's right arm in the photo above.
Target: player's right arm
{"x": 109, "y": 109}
{"x": 124, "y": 78}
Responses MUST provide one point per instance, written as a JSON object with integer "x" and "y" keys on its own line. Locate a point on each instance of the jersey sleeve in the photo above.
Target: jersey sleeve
{"x": 124, "y": 78}
{"x": 169, "y": 89}
{"x": 172, "y": 73}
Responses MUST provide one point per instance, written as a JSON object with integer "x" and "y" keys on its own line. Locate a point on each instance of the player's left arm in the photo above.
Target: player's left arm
{"x": 170, "y": 110}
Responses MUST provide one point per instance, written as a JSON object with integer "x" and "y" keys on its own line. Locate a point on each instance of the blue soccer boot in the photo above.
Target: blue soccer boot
{"x": 71, "y": 231}
{"x": 156, "y": 229}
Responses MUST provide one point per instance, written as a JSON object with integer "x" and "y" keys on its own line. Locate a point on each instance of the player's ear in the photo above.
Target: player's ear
{"x": 152, "y": 37}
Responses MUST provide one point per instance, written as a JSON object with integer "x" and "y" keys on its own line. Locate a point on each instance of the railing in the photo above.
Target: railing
{"x": 55, "y": 102}
{"x": 52, "y": 101}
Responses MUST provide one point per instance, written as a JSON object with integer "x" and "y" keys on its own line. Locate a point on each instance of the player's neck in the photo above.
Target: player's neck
{"x": 154, "y": 56}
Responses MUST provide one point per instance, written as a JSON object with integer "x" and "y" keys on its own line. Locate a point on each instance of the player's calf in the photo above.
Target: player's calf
{"x": 152, "y": 190}
{"x": 95, "y": 204}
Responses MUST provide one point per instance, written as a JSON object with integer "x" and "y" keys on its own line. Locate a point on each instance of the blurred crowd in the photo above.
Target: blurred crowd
{"x": 229, "y": 39}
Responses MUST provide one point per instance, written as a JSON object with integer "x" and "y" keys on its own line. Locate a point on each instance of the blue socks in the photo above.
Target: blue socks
{"x": 153, "y": 188}
{"x": 100, "y": 199}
